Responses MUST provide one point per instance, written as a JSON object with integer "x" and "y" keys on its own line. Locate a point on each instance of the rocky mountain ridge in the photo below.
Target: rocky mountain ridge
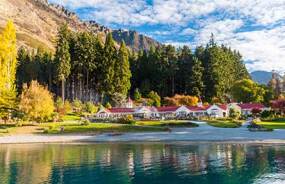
{"x": 37, "y": 22}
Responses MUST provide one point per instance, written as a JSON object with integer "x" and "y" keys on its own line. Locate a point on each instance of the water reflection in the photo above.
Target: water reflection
{"x": 142, "y": 163}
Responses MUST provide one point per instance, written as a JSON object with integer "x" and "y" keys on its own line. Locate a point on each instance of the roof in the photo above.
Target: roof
{"x": 223, "y": 106}
{"x": 251, "y": 106}
{"x": 167, "y": 108}
{"x": 197, "y": 108}
{"x": 121, "y": 110}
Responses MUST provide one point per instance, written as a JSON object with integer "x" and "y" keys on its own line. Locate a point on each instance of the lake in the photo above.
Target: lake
{"x": 143, "y": 163}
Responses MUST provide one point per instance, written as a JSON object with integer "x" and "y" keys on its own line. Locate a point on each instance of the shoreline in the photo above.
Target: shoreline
{"x": 89, "y": 139}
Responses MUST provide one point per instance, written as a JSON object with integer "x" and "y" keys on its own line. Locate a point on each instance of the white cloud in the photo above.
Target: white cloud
{"x": 246, "y": 25}
{"x": 188, "y": 31}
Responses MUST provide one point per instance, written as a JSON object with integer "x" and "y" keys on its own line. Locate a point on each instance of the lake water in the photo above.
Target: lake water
{"x": 149, "y": 163}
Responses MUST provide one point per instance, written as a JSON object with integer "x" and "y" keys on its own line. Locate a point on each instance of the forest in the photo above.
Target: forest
{"x": 88, "y": 68}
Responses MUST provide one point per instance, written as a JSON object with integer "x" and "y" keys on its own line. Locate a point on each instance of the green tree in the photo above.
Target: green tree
{"x": 36, "y": 102}
{"x": 62, "y": 57}
{"x": 122, "y": 73}
{"x": 154, "y": 98}
{"x": 106, "y": 67}
{"x": 90, "y": 107}
{"x": 137, "y": 94}
{"x": 8, "y": 67}
{"x": 247, "y": 91}
{"x": 196, "y": 84}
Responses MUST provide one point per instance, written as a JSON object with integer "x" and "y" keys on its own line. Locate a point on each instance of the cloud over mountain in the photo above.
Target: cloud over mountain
{"x": 256, "y": 27}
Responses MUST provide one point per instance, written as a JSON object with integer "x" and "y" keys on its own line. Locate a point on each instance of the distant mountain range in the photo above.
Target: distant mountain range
{"x": 261, "y": 77}
{"x": 37, "y": 23}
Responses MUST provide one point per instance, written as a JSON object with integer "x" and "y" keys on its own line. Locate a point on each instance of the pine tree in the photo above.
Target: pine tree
{"x": 106, "y": 67}
{"x": 62, "y": 57}
{"x": 196, "y": 79}
{"x": 8, "y": 67}
{"x": 122, "y": 71}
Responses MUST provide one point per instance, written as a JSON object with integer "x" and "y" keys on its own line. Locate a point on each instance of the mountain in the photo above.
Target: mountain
{"x": 261, "y": 77}
{"x": 37, "y": 23}
{"x": 135, "y": 40}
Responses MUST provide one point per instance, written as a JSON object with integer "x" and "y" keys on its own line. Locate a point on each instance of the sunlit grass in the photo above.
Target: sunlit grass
{"x": 54, "y": 128}
{"x": 224, "y": 123}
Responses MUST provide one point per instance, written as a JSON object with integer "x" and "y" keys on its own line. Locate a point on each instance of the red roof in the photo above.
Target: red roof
{"x": 197, "y": 108}
{"x": 223, "y": 106}
{"x": 251, "y": 106}
{"x": 121, "y": 110}
{"x": 167, "y": 108}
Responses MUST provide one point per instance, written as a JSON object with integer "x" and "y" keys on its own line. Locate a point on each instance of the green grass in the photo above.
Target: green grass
{"x": 224, "y": 123}
{"x": 171, "y": 123}
{"x": 71, "y": 117}
{"x": 54, "y": 128}
{"x": 272, "y": 124}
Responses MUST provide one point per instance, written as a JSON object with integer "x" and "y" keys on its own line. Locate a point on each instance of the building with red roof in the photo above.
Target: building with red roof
{"x": 171, "y": 112}
{"x": 246, "y": 108}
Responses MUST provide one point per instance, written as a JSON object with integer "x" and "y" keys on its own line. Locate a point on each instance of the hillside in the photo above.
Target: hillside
{"x": 37, "y": 23}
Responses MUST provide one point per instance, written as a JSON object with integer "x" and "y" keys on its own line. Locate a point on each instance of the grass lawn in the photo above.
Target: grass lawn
{"x": 71, "y": 117}
{"x": 278, "y": 123}
{"x": 272, "y": 124}
{"x": 224, "y": 123}
{"x": 54, "y": 128}
{"x": 72, "y": 124}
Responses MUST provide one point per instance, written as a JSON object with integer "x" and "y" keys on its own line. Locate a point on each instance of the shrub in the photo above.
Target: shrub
{"x": 85, "y": 122}
{"x": 77, "y": 106}
{"x": 59, "y": 105}
{"x": 137, "y": 95}
{"x": 67, "y": 107}
{"x": 36, "y": 102}
{"x": 108, "y": 105}
{"x": 126, "y": 120}
{"x": 91, "y": 108}
{"x": 267, "y": 114}
{"x": 178, "y": 100}
{"x": 234, "y": 113}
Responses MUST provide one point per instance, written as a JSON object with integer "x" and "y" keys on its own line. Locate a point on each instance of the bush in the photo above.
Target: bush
{"x": 67, "y": 107}
{"x": 234, "y": 113}
{"x": 77, "y": 106}
{"x": 267, "y": 114}
{"x": 108, "y": 105}
{"x": 91, "y": 108}
{"x": 36, "y": 102}
{"x": 85, "y": 122}
{"x": 126, "y": 120}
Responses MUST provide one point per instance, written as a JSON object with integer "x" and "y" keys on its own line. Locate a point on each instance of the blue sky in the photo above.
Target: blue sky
{"x": 254, "y": 27}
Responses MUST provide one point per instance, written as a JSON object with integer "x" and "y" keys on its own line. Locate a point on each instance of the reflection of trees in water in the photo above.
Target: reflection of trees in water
{"x": 59, "y": 163}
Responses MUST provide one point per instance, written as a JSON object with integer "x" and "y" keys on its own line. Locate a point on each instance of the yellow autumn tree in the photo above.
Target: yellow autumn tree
{"x": 8, "y": 67}
{"x": 178, "y": 100}
{"x": 36, "y": 102}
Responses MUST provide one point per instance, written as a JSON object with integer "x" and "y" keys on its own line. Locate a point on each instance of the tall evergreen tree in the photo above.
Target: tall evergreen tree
{"x": 122, "y": 73}
{"x": 107, "y": 65}
{"x": 196, "y": 84}
{"x": 62, "y": 57}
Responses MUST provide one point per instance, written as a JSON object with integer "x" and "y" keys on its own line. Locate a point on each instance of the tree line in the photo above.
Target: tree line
{"x": 87, "y": 68}
{"x": 207, "y": 72}
{"x": 83, "y": 67}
